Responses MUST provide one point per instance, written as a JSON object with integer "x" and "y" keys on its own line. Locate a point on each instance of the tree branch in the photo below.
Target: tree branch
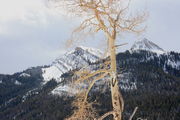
{"x": 105, "y": 115}
{"x": 93, "y": 82}
{"x": 91, "y": 75}
{"x": 133, "y": 113}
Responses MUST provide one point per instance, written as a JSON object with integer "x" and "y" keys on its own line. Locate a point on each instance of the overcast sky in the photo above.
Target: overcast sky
{"x": 32, "y": 33}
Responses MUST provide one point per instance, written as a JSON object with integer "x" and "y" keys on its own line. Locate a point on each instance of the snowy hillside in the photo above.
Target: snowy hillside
{"x": 77, "y": 58}
{"x": 147, "y": 45}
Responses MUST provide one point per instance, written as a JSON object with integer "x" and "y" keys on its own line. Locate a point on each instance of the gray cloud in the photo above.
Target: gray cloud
{"x": 37, "y": 39}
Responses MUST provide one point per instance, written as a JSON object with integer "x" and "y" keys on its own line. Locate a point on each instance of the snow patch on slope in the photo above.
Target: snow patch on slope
{"x": 60, "y": 90}
{"x": 51, "y": 72}
{"x": 24, "y": 75}
{"x": 173, "y": 64}
{"x": 17, "y": 83}
{"x": 29, "y": 94}
{"x": 125, "y": 83}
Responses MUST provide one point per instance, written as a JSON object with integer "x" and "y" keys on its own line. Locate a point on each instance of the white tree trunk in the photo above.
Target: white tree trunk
{"x": 117, "y": 100}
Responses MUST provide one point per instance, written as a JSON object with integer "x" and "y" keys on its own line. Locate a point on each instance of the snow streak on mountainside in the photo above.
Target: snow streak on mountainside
{"x": 77, "y": 58}
{"x": 147, "y": 45}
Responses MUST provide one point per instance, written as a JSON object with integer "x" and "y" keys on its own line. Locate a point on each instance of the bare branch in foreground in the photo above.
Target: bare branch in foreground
{"x": 133, "y": 113}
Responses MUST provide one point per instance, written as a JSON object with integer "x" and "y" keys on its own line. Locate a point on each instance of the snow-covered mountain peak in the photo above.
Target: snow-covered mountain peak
{"x": 82, "y": 50}
{"x": 147, "y": 45}
{"x": 77, "y": 58}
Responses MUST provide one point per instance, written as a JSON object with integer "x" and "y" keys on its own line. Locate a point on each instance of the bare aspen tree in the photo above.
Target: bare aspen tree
{"x": 113, "y": 18}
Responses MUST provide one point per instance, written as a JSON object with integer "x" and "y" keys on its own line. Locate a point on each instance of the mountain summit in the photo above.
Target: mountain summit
{"x": 147, "y": 45}
{"x": 77, "y": 58}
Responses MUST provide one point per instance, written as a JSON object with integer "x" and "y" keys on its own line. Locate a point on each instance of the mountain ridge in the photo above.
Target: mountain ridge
{"x": 82, "y": 56}
{"x": 148, "y": 80}
{"x": 74, "y": 59}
